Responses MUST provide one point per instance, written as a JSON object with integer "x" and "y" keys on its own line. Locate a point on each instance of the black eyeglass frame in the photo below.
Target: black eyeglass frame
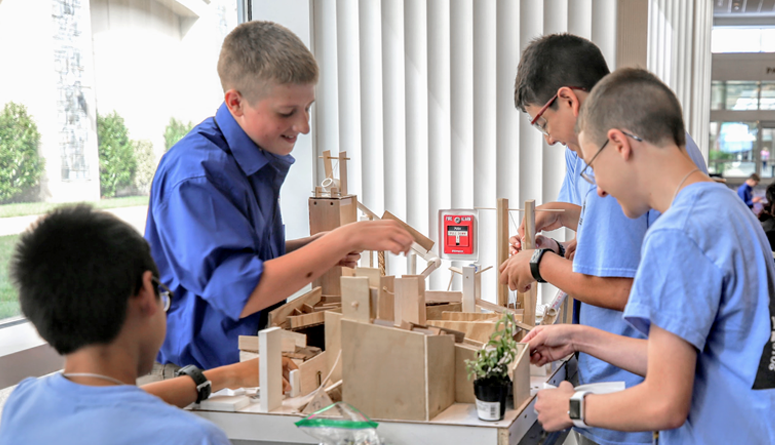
{"x": 591, "y": 178}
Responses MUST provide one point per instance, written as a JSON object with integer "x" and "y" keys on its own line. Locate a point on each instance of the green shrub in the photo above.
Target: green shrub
{"x": 175, "y": 131}
{"x": 146, "y": 165}
{"x": 117, "y": 157}
{"x": 20, "y": 164}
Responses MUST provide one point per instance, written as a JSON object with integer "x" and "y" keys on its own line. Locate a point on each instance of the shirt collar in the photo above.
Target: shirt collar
{"x": 249, "y": 156}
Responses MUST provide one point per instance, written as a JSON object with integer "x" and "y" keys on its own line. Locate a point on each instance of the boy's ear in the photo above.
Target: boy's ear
{"x": 621, "y": 143}
{"x": 234, "y": 101}
{"x": 568, "y": 96}
{"x": 146, "y": 299}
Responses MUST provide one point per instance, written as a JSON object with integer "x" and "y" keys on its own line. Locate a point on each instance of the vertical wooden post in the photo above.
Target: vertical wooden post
{"x": 469, "y": 289}
{"x": 530, "y": 243}
{"x": 327, "y": 165}
{"x": 502, "y": 250}
{"x": 343, "y": 173}
{"x": 270, "y": 369}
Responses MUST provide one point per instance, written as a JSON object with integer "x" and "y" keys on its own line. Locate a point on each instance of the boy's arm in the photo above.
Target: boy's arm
{"x": 548, "y": 221}
{"x": 181, "y": 391}
{"x": 661, "y": 402}
{"x": 293, "y": 244}
{"x": 605, "y": 292}
{"x": 287, "y": 274}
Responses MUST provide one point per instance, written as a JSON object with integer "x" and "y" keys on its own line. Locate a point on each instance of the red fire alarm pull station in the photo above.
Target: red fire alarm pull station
{"x": 458, "y": 234}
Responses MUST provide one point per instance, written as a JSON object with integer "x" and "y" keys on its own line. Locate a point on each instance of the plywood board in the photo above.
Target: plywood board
{"x": 468, "y": 316}
{"x": 520, "y": 376}
{"x": 436, "y": 312}
{"x": 464, "y": 388}
{"x": 313, "y": 371}
{"x": 439, "y": 373}
{"x": 278, "y": 316}
{"x": 356, "y": 298}
{"x": 270, "y": 369}
{"x": 409, "y": 300}
{"x": 475, "y": 330}
{"x": 371, "y": 273}
{"x": 440, "y": 296}
{"x": 419, "y": 238}
{"x": 386, "y": 298}
{"x": 333, "y": 343}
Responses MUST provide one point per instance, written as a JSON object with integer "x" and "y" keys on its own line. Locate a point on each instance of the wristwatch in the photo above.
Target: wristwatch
{"x": 203, "y": 386}
{"x": 576, "y": 409}
{"x": 534, "y": 260}
{"x": 560, "y": 247}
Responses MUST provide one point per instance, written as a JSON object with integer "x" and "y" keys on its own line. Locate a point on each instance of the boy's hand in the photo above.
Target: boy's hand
{"x": 382, "y": 235}
{"x": 515, "y": 244}
{"x": 245, "y": 374}
{"x": 545, "y": 221}
{"x": 570, "y": 249}
{"x": 515, "y": 272}
{"x": 552, "y": 407}
{"x": 350, "y": 260}
{"x": 550, "y": 343}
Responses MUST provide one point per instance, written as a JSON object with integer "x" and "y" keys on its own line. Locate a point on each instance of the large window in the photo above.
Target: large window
{"x": 733, "y": 148}
{"x": 738, "y": 95}
{"x": 133, "y": 75}
{"x": 742, "y": 40}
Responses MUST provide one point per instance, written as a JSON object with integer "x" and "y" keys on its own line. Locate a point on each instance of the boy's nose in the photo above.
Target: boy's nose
{"x": 601, "y": 193}
{"x": 549, "y": 139}
{"x": 302, "y": 125}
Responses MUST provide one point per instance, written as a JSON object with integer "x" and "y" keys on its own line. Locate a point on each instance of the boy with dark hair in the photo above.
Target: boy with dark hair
{"x": 214, "y": 222}
{"x": 554, "y": 77}
{"x": 87, "y": 282}
{"x": 704, "y": 293}
{"x": 745, "y": 191}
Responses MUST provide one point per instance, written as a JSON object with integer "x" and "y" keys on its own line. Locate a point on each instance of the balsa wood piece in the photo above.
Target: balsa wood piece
{"x": 224, "y": 403}
{"x": 528, "y": 299}
{"x": 333, "y": 344}
{"x": 502, "y": 250}
{"x": 469, "y": 289}
{"x": 386, "y": 298}
{"x": 396, "y": 374}
{"x": 312, "y": 373}
{"x": 520, "y": 376}
{"x": 475, "y": 330}
{"x": 278, "y": 316}
{"x": 371, "y": 272}
{"x": 356, "y": 298}
{"x": 409, "y": 300}
{"x": 437, "y": 312}
{"x": 327, "y": 164}
{"x": 343, "y": 172}
{"x": 270, "y": 369}
{"x": 440, "y": 296}
{"x": 304, "y": 320}
{"x": 464, "y": 388}
{"x": 249, "y": 343}
{"x": 326, "y": 214}
{"x": 468, "y": 316}
{"x": 419, "y": 238}
{"x": 295, "y": 376}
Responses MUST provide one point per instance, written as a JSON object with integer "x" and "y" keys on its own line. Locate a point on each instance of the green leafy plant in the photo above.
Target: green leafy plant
{"x": 117, "y": 154}
{"x": 146, "y": 165}
{"x": 175, "y": 131}
{"x": 20, "y": 164}
{"x": 492, "y": 361}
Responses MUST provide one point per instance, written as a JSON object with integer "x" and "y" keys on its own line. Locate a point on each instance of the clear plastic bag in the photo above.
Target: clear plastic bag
{"x": 340, "y": 424}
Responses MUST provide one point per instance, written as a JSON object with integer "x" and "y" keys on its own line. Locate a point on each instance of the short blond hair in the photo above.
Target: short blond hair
{"x": 257, "y": 53}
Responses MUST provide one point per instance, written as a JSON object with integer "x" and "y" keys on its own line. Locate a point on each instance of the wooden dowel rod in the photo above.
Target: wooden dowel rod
{"x": 522, "y": 210}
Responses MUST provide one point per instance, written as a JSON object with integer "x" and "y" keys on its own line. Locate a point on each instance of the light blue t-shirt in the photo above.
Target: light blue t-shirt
{"x": 54, "y": 410}
{"x": 707, "y": 276}
{"x": 608, "y": 245}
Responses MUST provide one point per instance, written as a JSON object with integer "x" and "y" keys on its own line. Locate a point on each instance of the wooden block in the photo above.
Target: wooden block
{"x": 327, "y": 214}
{"x": 419, "y": 238}
{"x": 439, "y": 296}
{"x": 312, "y": 372}
{"x": 396, "y": 374}
{"x": 464, "y": 388}
{"x": 307, "y": 309}
{"x": 520, "y": 376}
{"x": 409, "y": 300}
{"x": 295, "y": 382}
{"x": 304, "y": 320}
{"x": 329, "y": 299}
{"x": 356, "y": 298}
{"x": 502, "y": 249}
{"x": 476, "y": 330}
{"x": 469, "y": 289}
{"x": 371, "y": 273}
{"x": 245, "y": 356}
{"x": 278, "y": 316}
{"x": 333, "y": 343}
{"x": 386, "y": 298}
{"x": 248, "y": 343}
{"x": 436, "y": 312}
{"x": 287, "y": 344}
{"x": 224, "y": 403}
{"x": 270, "y": 369}
{"x": 468, "y": 316}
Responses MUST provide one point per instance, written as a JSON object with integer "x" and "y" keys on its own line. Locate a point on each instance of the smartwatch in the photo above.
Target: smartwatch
{"x": 536, "y": 258}
{"x": 203, "y": 386}
{"x": 576, "y": 409}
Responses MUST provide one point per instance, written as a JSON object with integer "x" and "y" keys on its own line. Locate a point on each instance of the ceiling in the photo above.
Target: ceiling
{"x": 744, "y": 12}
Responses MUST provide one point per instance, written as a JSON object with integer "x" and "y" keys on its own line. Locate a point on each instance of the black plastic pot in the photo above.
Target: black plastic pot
{"x": 491, "y": 398}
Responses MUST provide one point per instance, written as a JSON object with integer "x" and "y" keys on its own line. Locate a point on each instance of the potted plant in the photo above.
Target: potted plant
{"x": 490, "y": 370}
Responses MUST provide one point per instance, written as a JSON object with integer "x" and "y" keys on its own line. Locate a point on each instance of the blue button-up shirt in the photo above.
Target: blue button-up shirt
{"x": 213, "y": 219}
{"x": 745, "y": 192}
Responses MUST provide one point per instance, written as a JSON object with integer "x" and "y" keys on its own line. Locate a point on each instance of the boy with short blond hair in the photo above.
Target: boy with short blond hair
{"x": 704, "y": 292}
{"x": 214, "y": 222}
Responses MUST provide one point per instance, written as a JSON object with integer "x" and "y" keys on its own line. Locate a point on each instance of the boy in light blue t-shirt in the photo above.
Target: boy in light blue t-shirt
{"x": 703, "y": 293}
{"x": 88, "y": 283}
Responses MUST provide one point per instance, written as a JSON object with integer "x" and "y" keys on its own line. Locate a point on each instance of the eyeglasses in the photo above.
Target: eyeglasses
{"x": 534, "y": 122}
{"x": 164, "y": 293}
{"x": 590, "y": 178}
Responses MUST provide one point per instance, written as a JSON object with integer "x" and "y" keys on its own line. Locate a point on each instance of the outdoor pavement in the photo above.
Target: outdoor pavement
{"x": 135, "y": 216}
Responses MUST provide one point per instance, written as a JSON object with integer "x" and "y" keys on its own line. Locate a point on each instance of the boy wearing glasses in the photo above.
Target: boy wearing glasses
{"x": 554, "y": 78}
{"x": 87, "y": 281}
{"x": 704, "y": 293}
{"x": 214, "y": 222}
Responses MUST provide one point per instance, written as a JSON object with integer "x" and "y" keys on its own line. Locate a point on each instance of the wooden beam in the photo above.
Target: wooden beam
{"x": 530, "y": 296}
{"x": 304, "y": 320}
{"x": 468, "y": 316}
{"x": 386, "y": 298}
{"x": 343, "y": 172}
{"x": 469, "y": 288}
{"x": 327, "y": 164}
{"x": 475, "y": 330}
{"x": 502, "y": 247}
{"x": 419, "y": 238}
{"x": 440, "y": 296}
{"x": 270, "y": 369}
{"x": 436, "y": 312}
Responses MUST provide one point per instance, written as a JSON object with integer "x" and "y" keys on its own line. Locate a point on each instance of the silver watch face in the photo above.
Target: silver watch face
{"x": 535, "y": 256}
{"x": 575, "y": 409}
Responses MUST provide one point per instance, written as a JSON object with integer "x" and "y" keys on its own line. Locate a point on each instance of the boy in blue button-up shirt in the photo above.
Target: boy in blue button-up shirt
{"x": 214, "y": 222}
{"x": 704, "y": 293}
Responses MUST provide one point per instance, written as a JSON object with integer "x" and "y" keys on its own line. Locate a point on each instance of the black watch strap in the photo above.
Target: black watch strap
{"x": 203, "y": 386}
{"x": 560, "y": 247}
{"x": 535, "y": 261}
